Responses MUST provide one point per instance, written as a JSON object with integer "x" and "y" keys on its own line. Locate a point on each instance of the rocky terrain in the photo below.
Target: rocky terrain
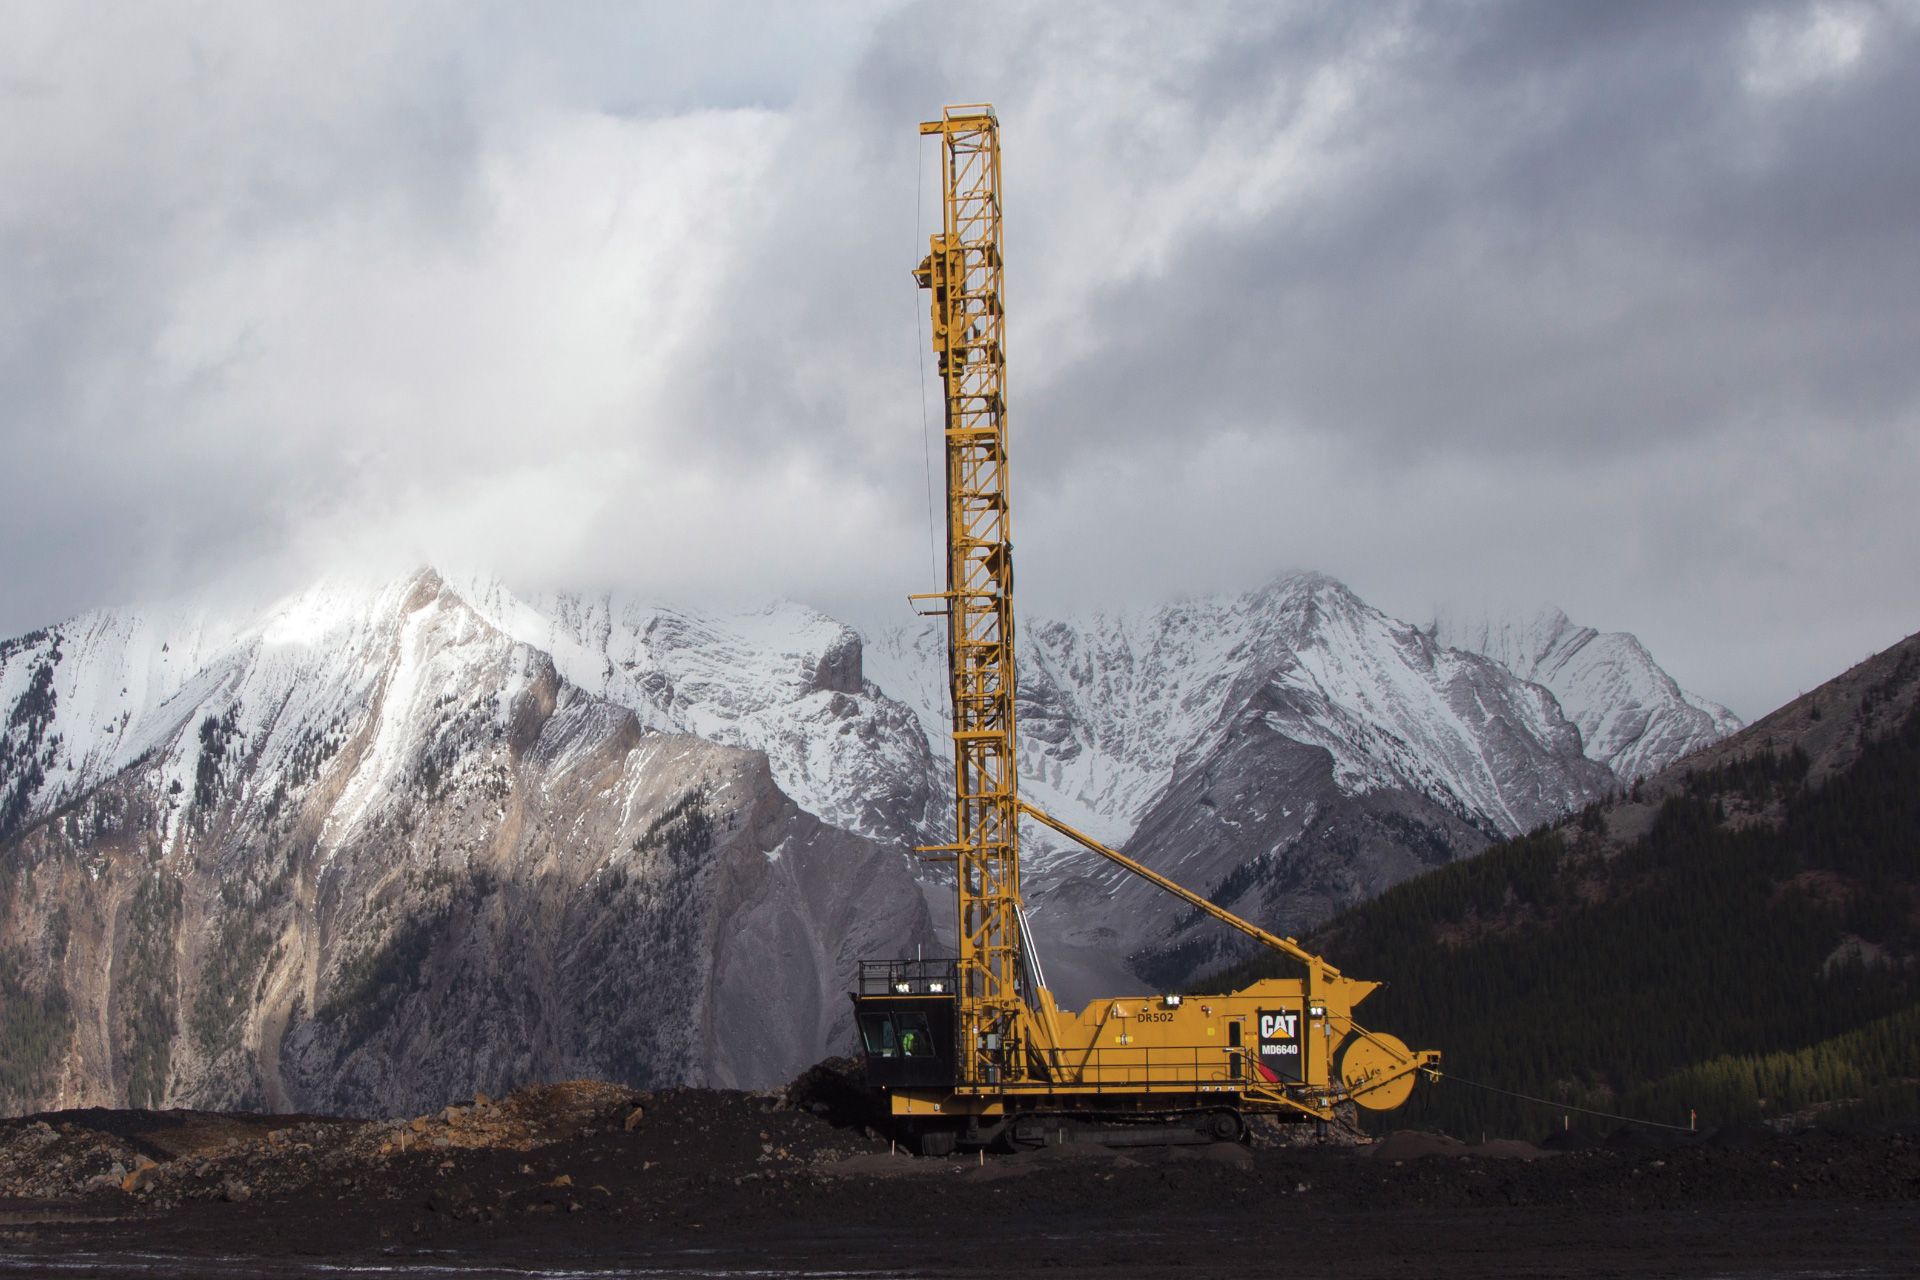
{"x": 377, "y": 854}
{"x": 584, "y": 1178}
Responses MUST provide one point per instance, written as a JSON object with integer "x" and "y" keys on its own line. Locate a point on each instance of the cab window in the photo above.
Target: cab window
{"x": 916, "y": 1035}
{"x": 877, "y": 1030}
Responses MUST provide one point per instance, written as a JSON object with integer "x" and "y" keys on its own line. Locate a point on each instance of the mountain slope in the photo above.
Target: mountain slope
{"x": 783, "y": 679}
{"x": 373, "y": 853}
{"x": 1743, "y": 905}
{"x": 1287, "y": 751}
{"x": 1632, "y": 716}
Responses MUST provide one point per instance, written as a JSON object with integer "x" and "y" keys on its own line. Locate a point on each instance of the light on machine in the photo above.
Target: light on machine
{"x": 1171, "y": 1002}
{"x": 936, "y": 987}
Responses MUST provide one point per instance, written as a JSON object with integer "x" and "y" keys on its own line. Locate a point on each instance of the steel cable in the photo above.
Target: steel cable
{"x": 1561, "y": 1106}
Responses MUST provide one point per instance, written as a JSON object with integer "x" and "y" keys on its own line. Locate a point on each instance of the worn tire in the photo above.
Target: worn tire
{"x": 936, "y": 1142}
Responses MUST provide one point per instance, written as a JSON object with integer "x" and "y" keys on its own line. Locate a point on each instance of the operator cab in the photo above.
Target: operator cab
{"x": 905, "y": 1012}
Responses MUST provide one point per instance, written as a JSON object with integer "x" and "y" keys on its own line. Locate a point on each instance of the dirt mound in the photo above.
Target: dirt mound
{"x": 1568, "y": 1140}
{"x": 836, "y": 1091}
{"x": 165, "y": 1157}
{"x": 525, "y": 1119}
{"x": 42, "y": 1161}
{"x": 686, "y": 1171}
{"x": 70, "y": 1152}
{"x": 1508, "y": 1149}
{"x": 1405, "y": 1144}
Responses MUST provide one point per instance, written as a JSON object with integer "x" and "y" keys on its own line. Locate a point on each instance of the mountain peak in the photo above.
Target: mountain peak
{"x": 1306, "y": 586}
{"x": 1632, "y": 715}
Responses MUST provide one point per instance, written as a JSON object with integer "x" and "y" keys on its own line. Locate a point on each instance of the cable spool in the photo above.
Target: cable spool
{"x": 1373, "y": 1056}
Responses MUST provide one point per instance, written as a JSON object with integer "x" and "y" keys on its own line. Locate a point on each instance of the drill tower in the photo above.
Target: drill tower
{"x": 962, "y": 270}
{"x": 974, "y": 1048}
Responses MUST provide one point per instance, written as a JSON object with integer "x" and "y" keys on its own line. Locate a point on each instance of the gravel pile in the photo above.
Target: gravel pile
{"x": 164, "y": 1158}
{"x": 42, "y": 1161}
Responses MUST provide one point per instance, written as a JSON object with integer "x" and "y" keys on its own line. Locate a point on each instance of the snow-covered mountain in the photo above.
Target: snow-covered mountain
{"x": 252, "y": 853}
{"x": 782, "y": 678}
{"x": 1285, "y": 751}
{"x": 1632, "y": 716}
{"x": 368, "y": 852}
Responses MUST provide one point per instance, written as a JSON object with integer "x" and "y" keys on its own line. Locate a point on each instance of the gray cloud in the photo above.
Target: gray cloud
{"x": 1612, "y": 305}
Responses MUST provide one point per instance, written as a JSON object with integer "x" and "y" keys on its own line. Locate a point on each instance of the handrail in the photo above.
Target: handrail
{"x": 1100, "y": 1067}
{"x": 909, "y": 977}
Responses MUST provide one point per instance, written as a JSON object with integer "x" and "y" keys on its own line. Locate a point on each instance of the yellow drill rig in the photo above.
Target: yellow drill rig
{"x": 974, "y": 1050}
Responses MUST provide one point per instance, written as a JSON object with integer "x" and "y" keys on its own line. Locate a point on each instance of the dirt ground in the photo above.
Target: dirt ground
{"x": 588, "y": 1179}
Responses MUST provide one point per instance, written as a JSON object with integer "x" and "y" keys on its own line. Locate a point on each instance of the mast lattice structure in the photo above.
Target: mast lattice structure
{"x": 962, "y": 271}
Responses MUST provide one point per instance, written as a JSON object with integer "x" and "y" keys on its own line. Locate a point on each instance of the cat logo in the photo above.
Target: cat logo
{"x": 1281, "y": 1044}
{"x": 1279, "y": 1026}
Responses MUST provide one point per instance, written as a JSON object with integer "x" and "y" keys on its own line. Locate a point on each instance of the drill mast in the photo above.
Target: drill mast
{"x": 962, "y": 270}
{"x": 976, "y": 1048}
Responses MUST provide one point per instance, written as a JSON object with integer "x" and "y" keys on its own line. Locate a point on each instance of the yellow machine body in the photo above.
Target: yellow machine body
{"x": 976, "y": 1046}
{"x": 1266, "y": 1047}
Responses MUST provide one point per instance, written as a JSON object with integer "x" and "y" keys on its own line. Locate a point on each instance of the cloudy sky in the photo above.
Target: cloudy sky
{"x": 1613, "y": 305}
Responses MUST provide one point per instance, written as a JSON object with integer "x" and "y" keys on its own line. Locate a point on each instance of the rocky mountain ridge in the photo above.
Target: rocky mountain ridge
{"x": 1313, "y": 752}
{"x": 293, "y": 856}
{"x": 374, "y": 853}
{"x": 1632, "y": 716}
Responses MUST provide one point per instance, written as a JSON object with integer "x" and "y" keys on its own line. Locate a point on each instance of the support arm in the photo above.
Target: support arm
{"x": 1286, "y": 946}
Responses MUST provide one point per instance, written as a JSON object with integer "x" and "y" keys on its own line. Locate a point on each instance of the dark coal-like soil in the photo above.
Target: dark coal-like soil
{"x": 594, "y": 1179}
